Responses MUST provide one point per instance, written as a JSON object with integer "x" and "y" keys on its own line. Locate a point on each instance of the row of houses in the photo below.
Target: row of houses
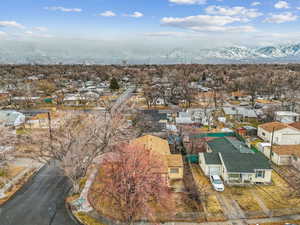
{"x": 281, "y": 143}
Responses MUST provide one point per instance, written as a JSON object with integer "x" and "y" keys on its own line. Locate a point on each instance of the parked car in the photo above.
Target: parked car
{"x": 217, "y": 183}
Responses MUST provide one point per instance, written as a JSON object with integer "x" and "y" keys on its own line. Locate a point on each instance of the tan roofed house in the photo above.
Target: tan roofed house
{"x": 173, "y": 162}
{"x": 175, "y": 166}
{"x": 296, "y": 125}
{"x": 153, "y": 143}
{"x": 287, "y": 149}
{"x": 273, "y": 125}
{"x": 283, "y": 134}
{"x": 283, "y": 155}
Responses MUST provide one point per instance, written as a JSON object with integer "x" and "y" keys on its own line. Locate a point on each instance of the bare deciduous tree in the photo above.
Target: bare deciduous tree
{"x": 77, "y": 140}
{"x": 134, "y": 184}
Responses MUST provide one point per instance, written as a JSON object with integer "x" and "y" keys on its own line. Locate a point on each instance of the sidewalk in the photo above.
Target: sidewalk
{"x": 13, "y": 182}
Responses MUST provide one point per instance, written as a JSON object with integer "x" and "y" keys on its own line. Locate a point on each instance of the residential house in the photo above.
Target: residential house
{"x": 238, "y": 95}
{"x": 295, "y": 125}
{"x": 158, "y": 120}
{"x": 296, "y": 160}
{"x": 235, "y": 162}
{"x": 287, "y": 117}
{"x": 282, "y": 155}
{"x": 240, "y": 113}
{"x": 160, "y": 101}
{"x": 184, "y": 118}
{"x": 283, "y": 134}
{"x": 247, "y": 131}
{"x": 11, "y": 118}
{"x": 41, "y": 121}
{"x": 173, "y": 163}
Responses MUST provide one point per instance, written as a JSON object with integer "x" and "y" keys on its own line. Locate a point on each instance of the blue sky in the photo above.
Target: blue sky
{"x": 213, "y": 22}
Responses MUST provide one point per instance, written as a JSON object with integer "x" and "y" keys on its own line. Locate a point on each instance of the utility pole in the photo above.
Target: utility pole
{"x": 271, "y": 149}
{"x": 49, "y": 124}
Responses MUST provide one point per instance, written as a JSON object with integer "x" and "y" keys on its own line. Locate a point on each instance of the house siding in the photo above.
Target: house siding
{"x": 295, "y": 161}
{"x": 285, "y": 136}
{"x": 175, "y": 176}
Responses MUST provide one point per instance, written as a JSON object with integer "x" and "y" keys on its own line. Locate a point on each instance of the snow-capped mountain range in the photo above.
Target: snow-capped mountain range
{"x": 107, "y": 53}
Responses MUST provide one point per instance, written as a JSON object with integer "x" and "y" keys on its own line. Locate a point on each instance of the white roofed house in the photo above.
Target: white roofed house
{"x": 287, "y": 116}
{"x": 184, "y": 118}
{"x": 240, "y": 113}
{"x": 11, "y": 118}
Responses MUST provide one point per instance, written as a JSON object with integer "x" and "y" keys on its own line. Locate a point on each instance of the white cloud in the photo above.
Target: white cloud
{"x": 28, "y": 32}
{"x": 281, "y": 18}
{"x": 282, "y": 5}
{"x": 3, "y": 34}
{"x": 108, "y": 14}
{"x": 41, "y": 29}
{"x": 62, "y": 9}
{"x": 11, "y": 24}
{"x": 188, "y": 2}
{"x": 255, "y": 3}
{"x": 207, "y": 23}
{"x": 32, "y": 34}
{"x": 135, "y": 15}
{"x": 233, "y": 11}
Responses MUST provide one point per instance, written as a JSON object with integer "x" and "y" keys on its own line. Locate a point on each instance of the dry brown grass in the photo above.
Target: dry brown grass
{"x": 213, "y": 206}
{"x": 201, "y": 180}
{"x": 244, "y": 197}
{"x": 86, "y": 219}
{"x": 279, "y": 195}
{"x": 16, "y": 187}
{"x": 281, "y": 223}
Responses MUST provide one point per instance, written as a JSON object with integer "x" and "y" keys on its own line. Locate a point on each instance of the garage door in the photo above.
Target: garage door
{"x": 214, "y": 170}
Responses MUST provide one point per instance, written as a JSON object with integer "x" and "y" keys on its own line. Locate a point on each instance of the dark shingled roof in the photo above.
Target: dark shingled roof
{"x": 236, "y": 161}
{"x": 212, "y": 159}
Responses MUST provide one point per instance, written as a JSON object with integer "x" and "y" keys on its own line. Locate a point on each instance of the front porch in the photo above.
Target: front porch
{"x": 239, "y": 179}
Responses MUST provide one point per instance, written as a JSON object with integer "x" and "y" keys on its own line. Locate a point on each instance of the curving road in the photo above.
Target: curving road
{"x": 40, "y": 201}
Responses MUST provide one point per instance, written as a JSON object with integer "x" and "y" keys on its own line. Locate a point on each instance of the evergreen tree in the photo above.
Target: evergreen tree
{"x": 114, "y": 84}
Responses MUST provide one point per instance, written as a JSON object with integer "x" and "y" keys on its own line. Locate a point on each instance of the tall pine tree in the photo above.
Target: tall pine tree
{"x": 114, "y": 84}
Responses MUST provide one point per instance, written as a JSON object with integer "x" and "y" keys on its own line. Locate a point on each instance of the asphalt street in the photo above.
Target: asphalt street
{"x": 39, "y": 202}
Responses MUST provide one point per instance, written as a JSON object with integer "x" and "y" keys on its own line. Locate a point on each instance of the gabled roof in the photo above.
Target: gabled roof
{"x": 240, "y": 111}
{"x": 174, "y": 160}
{"x": 153, "y": 143}
{"x": 287, "y": 149}
{"x": 212, "y": 159}
{"x": 273, "y": 125}
{"x": 296, "y": 125}
{"x": 236, "y": 157}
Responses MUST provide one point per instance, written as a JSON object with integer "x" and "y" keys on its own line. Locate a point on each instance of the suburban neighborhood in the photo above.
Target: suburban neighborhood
{"x": 187, "y": 144}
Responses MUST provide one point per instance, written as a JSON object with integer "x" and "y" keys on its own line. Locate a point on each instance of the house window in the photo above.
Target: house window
{"x": 234, "y": 176}
{"x": 263, "y": 133}
{"x": 174, "y": 170}
{"x": 260, "y": 174}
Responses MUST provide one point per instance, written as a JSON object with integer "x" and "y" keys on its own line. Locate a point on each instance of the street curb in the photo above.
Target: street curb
{"x": 71, "y": 215}
{"x": 25, "y": 186}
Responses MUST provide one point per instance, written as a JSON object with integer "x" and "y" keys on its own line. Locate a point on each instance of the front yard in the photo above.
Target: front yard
{"x": 185, "y": 210}
{"x": 255, "y": 201}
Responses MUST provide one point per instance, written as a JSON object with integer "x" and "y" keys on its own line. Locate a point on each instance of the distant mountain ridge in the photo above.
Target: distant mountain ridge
{"x": 270, "y": 52}
{"x": 104, "y": 53}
